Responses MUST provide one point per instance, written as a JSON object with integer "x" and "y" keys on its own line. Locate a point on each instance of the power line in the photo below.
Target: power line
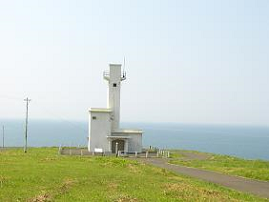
{"x": 47, "y": 110}
{"x": 9, "y": 97}
{"x": 64, "y": 120}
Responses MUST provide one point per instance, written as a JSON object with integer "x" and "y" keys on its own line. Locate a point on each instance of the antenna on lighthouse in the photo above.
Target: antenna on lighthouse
{"x": 124, "y": 73}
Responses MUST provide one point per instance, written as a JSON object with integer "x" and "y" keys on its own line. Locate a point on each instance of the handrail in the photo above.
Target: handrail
{"x": 106, "y": 75}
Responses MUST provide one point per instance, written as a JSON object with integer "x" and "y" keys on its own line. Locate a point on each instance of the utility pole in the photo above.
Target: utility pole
{"x": 27, "y": 100}
{"x": 3, "y": 137}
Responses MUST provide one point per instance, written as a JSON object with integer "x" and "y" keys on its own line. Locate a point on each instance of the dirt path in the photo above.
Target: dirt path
{"x": 256, "y": 187}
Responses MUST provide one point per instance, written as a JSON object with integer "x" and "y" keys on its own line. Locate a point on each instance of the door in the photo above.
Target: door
{"x": 120, "y": 145}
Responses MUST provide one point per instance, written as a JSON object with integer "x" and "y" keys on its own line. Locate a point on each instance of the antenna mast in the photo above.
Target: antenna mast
{"x": 124, "y": 72}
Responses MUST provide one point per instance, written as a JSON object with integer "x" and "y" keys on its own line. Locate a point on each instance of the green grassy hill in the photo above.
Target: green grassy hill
{"x": 253, "y": 169}
{"x": 42, "y": 175}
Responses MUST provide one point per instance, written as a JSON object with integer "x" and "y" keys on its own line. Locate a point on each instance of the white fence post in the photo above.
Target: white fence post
{"x": 60, "y": 149}
{"x": 117, "y": 144}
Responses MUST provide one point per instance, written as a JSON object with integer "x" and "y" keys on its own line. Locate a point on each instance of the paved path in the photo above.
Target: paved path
{"x": 256, "y": 187}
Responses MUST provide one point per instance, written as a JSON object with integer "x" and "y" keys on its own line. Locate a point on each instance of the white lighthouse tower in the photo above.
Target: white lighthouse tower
{"x": 104, "y": 123}
{"x": 114, "y": 78}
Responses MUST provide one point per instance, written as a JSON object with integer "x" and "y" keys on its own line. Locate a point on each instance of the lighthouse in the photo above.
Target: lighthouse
{"x": 114, "y": 78}
{"x": 105, "y": 133}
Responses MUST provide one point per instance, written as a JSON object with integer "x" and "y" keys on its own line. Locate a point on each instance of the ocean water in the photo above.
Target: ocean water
{"x": 251, "y": 142}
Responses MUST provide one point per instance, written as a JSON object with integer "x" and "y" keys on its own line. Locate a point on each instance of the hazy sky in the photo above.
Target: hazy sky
{"x": 186, "y": 61}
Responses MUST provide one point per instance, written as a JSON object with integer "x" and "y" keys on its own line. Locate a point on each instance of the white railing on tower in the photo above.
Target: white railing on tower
{"x": 106, "y": 75}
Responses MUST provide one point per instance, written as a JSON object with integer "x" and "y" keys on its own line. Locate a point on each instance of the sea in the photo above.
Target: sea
{"x": 249, "y": 142}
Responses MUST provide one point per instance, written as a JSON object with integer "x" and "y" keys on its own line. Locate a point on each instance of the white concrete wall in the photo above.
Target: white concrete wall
{"x": 99, "y": 129}
{"x": 114, "y": 94}
{"x": 135, "y": 143}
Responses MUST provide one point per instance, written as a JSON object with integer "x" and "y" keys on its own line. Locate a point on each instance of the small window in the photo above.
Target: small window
{"x": 94, "y": 118}
{"x": 114, "y": 85}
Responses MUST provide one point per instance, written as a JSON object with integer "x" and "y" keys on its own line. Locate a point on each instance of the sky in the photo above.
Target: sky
{"x": 186, "y": 61}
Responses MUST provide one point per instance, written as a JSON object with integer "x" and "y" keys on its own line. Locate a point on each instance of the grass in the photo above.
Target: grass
{"x": 42, "y": 175}
{"x": 254, "y": 169}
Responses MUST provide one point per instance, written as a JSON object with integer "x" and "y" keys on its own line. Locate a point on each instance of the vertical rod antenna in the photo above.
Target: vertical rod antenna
{"x": 124, "y": 73}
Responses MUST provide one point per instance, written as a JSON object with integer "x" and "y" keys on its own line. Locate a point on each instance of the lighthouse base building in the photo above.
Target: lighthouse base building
{"x": 105, "y": 133}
